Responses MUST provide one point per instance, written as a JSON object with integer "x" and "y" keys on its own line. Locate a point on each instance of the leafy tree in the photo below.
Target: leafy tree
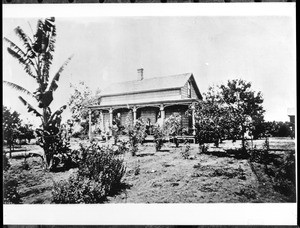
{"x": 212, "y": 118}
{"x": 81, "y": 97}
{"x": 245, "y": 107}
{"x": 11, "y": 123}
{"x": 26, "y": 132}
{"x": 228, "y": 111}
{"x": 36, "y": 58}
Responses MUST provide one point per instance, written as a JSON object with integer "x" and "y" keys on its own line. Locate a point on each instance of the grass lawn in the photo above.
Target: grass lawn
{"x": 166, "y": 177}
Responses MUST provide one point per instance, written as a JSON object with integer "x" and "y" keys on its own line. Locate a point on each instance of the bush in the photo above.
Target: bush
{"x": 99, "y": 175}
{"x": 100, "y": 164}
{"x": 285, "y": 177}
{"x": 137, "y": 134}
{"x": 10, "y": 192}
{"x": 185, "y": 153}
{"x": 203, "y": 148}
{"x": 78, "y": 189}
{"x": 172, "y": 126}
{"x": 158, "y": 135}
{"x": 6, "y": 164}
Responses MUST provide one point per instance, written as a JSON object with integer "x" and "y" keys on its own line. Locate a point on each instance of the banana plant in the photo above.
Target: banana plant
{"x": 36, "y": 56}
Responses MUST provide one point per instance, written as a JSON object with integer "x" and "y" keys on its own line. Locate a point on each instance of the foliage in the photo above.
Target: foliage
{"x": 26, "y": 132}
{"x": 137, "y": 134}
{"x": 78, "y": 190}
{"x": 81, "y": 97}
{"x": 10, "y": 190}
{"x": 211, "y": 122}
{"x": 5, "y": 162}
{"x": 185, "y": 153}
{"x": 159, "y": 136}
{"x": 36, "y": 59}
{"x": 11, "y": 123}
{"x": 117, "y": 129}
{"x": 99, "y": 175}
{"x": 228, "y": 111}
{"x": 137, "y": 169}
{"x": 203, "y": 148}
{"x": 53, "y": 141}
{"x": 172, "y": 126}
{"x": 276, "y": 129}
{"x": 245, "y": 106}
{"x": 285, "y": 177}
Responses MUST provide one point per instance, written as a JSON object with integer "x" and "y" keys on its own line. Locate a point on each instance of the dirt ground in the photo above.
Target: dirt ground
{"x": 166, "y": 177}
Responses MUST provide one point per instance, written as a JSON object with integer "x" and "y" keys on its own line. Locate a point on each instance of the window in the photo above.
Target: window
{"x": 189, "y": 90}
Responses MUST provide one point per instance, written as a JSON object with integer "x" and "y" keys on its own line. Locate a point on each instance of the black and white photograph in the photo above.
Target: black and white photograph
{"x": 149, "y": 108}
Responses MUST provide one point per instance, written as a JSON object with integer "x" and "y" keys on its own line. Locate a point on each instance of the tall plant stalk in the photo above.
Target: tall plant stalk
{"x": 35, "y": 56}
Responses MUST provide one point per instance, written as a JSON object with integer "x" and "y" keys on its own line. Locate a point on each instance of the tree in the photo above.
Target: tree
{"x": 228, "y": 111}
{"x": 36, "y": 59}
{"x": 81, "y": 97}
{"x": 26, "y": 132}
{"x": 245, "y": 107}
{"x": 211, "y": 116}
{"x": 11, "y": 123}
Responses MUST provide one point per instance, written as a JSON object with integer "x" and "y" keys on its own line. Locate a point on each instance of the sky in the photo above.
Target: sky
{"x": 259, "y": 49}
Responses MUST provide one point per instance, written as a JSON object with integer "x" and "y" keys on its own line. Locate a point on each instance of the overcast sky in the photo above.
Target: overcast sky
{"x": 260, "y": 49}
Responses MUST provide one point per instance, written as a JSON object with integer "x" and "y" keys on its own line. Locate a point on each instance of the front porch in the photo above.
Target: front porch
{"x": 152, "y": 113}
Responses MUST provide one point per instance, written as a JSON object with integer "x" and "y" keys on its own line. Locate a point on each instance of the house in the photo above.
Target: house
{"x": 291, "y": 113}
{"x": 148, "y": 98}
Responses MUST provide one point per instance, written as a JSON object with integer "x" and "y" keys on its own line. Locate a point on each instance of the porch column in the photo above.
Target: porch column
{"x": 110, "y": 119}
{"x": 193, "y": 119}
{"x": 134, "y": 114}
{"x": 101, "y": 121}
{"x": 162, "y": 113}
{"x": 90, "y": 124}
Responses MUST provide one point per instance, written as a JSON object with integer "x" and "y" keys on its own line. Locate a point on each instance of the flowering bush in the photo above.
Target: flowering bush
{"x": 78, "y": 190}
{"x": 137, "y": 134}
{"x": 99, "y": 175}
{"x": 172, "y": 126}
{"x": 158, "y": 135}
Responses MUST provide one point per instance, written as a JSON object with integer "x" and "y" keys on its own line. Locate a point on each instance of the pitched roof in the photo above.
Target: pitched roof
{"x": 148, "y": 84}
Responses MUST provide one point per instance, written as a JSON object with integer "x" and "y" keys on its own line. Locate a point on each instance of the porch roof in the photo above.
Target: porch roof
{"x": 128, "y": 105}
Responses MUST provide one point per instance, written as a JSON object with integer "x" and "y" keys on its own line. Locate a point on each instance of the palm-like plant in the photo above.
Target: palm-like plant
{"x": 36, "y": 58}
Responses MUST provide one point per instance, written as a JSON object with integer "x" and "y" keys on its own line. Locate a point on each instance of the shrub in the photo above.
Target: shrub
{"x": 285, "y": 177}
{"x": 100, "y": 164}
{"x": 6, "y": 164}
{"x": 172, "y": 126}
{"x": 158, "y": 135}
{"x": 10, "y": 192}
{"x": 99, "y": 174}
{"x": 137, "y": 170}
{"x": 137, "y": 134}
{"x": 185, "y": 153}
{"x": 78, "y": 189}
{"x": 203, "y": 148}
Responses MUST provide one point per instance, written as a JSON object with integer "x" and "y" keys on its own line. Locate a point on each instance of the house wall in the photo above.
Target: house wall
{"x": 140, "y": 97}
{"x": 184, "y": 91}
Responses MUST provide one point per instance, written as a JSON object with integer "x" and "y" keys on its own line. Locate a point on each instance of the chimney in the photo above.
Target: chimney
{"x": 140, "y": 74}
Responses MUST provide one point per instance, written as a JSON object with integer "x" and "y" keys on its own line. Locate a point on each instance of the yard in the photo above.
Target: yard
{"x": 166, "y": 177}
